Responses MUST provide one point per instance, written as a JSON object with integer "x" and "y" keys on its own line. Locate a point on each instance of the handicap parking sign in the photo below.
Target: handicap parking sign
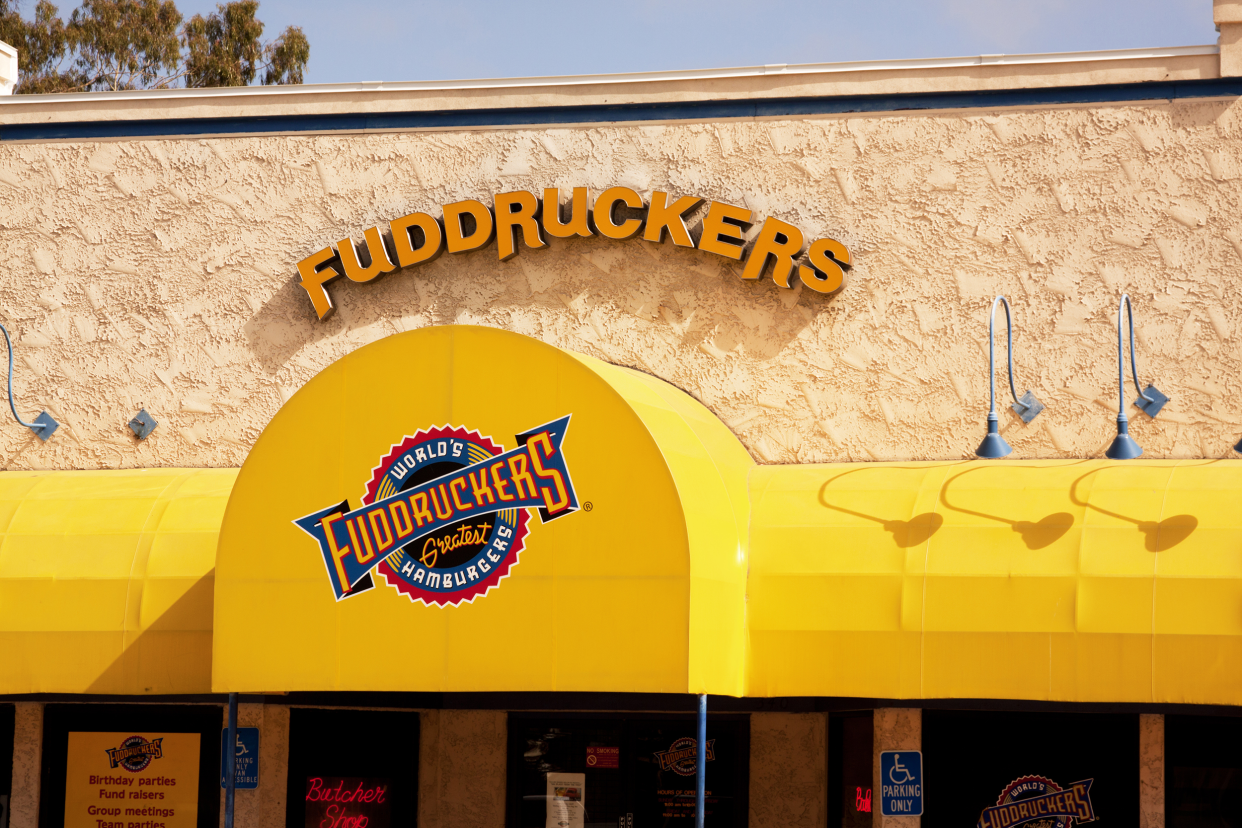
{"x": 901, "y": 783}
{"x": 246, "y": 758}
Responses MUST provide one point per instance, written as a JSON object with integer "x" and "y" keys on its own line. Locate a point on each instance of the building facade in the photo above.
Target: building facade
{"x": 494, "y": 422}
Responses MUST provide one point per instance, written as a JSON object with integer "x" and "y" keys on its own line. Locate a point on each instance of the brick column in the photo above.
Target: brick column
{"x": 27, "y": 762}
{"x": 896, "y": 728}
{"x": 1151, "y": 771}
{"x": 462, "y": 768}
{"x": 263, "y": 807}
{"x": 788, "y": 770}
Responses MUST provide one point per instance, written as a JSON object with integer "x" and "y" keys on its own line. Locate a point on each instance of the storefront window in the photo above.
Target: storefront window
{"x": 615, "y": 772}
{"x": 974, "y": 760}
{"x": 850, "y": 764}
{"x": 130, "y": 766}
{"x": 1203, "y": 776}
{"x": 352, "y": 769}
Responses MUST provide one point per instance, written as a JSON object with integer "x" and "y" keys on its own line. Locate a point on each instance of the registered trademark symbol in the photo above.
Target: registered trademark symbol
{"x": 588, "y": 506}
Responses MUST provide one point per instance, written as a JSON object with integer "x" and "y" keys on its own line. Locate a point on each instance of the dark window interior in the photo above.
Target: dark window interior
{"x": 850, "y": 760}
{"x": 1203, "y": 771}
{"x": 970, "y": 757}
{"x": 644, "y": 790}
{"x": 355, "y": 749}
{"x": 60, "y": 719}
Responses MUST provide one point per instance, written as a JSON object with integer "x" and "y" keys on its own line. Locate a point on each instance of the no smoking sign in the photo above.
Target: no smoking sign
{"x": 603, "y": 757}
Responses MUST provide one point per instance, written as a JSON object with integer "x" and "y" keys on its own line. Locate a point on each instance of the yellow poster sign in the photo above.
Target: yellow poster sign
{"x": 132, "y": 780}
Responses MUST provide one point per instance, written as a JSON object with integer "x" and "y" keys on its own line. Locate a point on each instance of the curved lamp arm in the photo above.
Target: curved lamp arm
{"x": 1026, "y": 406}
{"x": 44, "y": 425}
{"x": 1150, "y": 400}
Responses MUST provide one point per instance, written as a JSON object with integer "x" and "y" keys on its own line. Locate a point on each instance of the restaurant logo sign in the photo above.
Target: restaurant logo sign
{"x": 779, "y": 250}
{"x": 135, "y": 753}
{"x": 682, "y": 756}
{"x": 445, "y": 514}
{"x": 1038, "y": 802}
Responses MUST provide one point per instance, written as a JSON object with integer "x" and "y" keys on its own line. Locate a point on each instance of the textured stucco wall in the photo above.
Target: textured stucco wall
{"x": 161, "y": 274}
{"x": 896, "y": 728}
{"x": 788, "y": 770}
{"x": 461, "y": 768}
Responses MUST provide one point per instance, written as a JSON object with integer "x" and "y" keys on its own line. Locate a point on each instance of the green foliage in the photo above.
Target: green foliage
{"x": 143, "y": 44}
{"x": 126, "y": 44}
{"x": 43, "y": 45}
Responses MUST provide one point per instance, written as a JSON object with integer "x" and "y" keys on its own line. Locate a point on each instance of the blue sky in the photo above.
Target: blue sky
{"x": 390, "y": 40}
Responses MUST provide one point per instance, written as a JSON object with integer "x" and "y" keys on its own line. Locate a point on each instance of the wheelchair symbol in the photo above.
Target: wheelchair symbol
{"x": 897, "y": 766}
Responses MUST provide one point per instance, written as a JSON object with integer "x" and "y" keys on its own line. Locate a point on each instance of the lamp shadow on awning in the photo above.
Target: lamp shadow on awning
{"x": 917, "y": 530}
{"x": 1037, "y": 534}
{"x": 1158, "y": 535}
{"x": 172, "y": 655}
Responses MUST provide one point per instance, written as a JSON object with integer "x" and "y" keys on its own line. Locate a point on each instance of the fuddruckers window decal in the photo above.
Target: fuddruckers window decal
{"x": 617, "y": 213}
{"x": 445, "y": 513}
{"x": 1038, "y": 802}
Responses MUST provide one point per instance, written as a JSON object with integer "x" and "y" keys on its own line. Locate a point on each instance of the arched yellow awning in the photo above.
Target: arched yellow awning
{"x": 684, "y": 567}
{"x": 106, "y": 579}
{"x": 640, "y": 588}
{"x": 1084, "y": 581}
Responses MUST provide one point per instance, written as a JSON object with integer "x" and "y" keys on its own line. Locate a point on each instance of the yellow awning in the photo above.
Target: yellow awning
{"x": 642, "y": 589}
{"x": 106, "y": 579}
{"x": 686, "y": 569}
{"x": 1085, "y": 581}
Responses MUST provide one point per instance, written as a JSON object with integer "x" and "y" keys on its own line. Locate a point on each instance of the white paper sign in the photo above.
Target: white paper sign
{"x": 566, "y": 800}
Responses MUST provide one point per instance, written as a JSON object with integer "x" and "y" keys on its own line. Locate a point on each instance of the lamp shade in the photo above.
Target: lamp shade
{"x": 1123, "y": 447}
{"x": 993, "y": 445}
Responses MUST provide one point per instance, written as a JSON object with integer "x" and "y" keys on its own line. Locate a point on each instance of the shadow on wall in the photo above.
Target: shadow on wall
{"x": 671, "y": 285}
{"x": 285, "y": 324}
{"x": 173, "y": 654}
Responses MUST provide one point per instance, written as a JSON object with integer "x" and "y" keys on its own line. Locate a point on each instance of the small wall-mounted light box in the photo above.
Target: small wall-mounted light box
{"x": 44, "y": 426}
{"x": 1151, "y": 401}
{"x": 142, "y": 425}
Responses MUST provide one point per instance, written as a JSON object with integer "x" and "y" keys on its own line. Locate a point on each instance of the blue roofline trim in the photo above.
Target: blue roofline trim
{"x": 622, "y": 113}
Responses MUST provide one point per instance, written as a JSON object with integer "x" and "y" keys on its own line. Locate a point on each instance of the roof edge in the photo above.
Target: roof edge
{"x": 628, "y": 78}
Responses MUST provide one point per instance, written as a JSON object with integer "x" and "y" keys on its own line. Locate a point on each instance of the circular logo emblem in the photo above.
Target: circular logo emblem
{"x": 135, "y": 754}
{"x": 463, "y": 559}
{"x": 1027, "y": 787}
{"x": 682, "y": 757}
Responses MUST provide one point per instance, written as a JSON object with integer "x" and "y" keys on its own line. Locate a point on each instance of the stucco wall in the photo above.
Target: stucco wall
{"x": 161, "y": 274}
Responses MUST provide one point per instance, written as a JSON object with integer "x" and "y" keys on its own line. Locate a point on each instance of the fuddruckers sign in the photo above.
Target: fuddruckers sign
{"x": 617, "y": 213}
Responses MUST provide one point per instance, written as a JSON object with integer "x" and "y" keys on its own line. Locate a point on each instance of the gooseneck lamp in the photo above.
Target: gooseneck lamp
{"x": 44, "y": 424}
{"x": 1026, "y": 406}
{"x": 1149, "y": 401}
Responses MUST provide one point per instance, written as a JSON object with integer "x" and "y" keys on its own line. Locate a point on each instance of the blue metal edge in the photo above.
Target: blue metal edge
{"x": 620, "y": 113}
